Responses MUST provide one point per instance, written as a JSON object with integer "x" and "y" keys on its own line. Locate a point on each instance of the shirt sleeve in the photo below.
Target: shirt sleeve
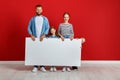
{"x": 29, "y": 26}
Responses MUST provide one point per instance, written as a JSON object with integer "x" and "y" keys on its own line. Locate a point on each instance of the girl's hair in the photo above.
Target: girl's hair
{"x": 66, "y": 13}
{"x": 56, "y": 33}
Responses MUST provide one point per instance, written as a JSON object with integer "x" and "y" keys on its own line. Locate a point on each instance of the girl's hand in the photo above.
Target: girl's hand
{"x": 71, "y": 38}
{"x": 62, "y": 38}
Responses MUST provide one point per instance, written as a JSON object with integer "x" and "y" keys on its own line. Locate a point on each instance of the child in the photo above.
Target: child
{"x": 53, "y": 34}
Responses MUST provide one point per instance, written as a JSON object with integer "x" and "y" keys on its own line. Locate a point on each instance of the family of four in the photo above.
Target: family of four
{"x": 39, "y": 27}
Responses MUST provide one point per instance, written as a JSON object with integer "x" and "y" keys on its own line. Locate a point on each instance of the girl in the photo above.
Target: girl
{"x": 53, "y": 34}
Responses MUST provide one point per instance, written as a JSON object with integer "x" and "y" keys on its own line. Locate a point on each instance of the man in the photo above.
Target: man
{"x": 38, "y": 27}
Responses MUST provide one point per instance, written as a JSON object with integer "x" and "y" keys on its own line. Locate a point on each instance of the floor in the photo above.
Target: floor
{"x": 85, "y": 72}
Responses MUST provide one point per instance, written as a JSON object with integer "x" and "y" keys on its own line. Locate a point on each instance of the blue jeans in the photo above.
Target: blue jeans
{"x": 66, "y": 36}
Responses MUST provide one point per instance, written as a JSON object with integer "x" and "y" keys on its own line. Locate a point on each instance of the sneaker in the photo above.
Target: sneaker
{"x": 74, "y": 67}
{"x": 54, "y": 69}
{"x": 51, "y": 69}
{"x": 68, "y": 69}
{"x": 43, "y": 69}
{"x": 35, "y": 70}
{"x": 64, "y": 69}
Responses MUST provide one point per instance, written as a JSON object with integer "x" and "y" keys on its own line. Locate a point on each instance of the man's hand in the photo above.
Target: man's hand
{"x": 71, "y": 38}
{"x": 42, "y": 37}
{"x": 33, "y": 37}
{"x": 62, "y": 38}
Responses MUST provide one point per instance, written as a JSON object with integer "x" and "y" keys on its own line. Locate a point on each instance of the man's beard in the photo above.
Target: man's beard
{"x": 38, "y": 14}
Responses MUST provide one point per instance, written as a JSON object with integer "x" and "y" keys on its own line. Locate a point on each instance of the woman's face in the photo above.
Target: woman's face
{"x": 66, "y": 17}
{"x": 53, "y": 31}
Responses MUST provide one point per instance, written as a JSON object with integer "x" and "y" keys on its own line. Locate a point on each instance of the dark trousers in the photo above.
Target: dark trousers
{"x": 37, "y": 66}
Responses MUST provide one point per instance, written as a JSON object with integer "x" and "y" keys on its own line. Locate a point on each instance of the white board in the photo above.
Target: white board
{"x": 53, "y": 51}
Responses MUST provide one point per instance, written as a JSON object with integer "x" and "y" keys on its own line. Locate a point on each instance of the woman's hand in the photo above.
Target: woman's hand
{"x": 71, "y": 38}
{"x": 83, "y": 40}
{"x": 62, "y": 38}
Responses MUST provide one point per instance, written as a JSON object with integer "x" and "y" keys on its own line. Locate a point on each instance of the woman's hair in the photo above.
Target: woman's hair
{"x": 56, "y": 33}
{"x": 38, "y": 5}
{"x": 66, "y": 13}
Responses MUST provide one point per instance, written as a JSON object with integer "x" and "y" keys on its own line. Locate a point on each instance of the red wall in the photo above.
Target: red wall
{"x": 96, "y": 20}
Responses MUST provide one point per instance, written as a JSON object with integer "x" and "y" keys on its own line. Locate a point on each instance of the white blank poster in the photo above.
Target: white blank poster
{"x": 53, "y": 52}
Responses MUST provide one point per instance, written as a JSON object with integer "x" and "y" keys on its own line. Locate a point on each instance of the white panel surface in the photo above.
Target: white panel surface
{"x": 53, "y": 51}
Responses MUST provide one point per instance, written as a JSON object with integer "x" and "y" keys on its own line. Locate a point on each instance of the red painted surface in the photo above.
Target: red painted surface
{"x": 96, "y": 20}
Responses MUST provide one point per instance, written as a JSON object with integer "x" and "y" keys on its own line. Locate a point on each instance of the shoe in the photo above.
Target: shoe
{"x": 74, "y": 67}
{"x": 43, "y": 69}
{"x": 35, "y": 70}
{"x": 68, "y": 69}
{"x": 51, "y": 69}
{"x": 64, "y": 69}
{"x": 54, "y": 69}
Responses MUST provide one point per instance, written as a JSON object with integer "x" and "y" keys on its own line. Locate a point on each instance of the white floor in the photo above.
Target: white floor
{"x": 86, "y": 72}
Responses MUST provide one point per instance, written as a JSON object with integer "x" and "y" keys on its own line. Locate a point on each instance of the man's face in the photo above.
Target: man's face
{"x": 39, "y": 11}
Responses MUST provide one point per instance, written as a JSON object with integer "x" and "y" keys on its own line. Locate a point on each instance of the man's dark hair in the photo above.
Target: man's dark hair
{"x": 38, "y": 6}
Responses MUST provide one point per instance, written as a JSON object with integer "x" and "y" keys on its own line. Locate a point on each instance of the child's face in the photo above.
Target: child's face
{"x": 53, "y": 31}
{"x": 66, "y": 17}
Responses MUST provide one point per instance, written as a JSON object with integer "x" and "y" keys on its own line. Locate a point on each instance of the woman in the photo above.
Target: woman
{"x": 66, "y": 31}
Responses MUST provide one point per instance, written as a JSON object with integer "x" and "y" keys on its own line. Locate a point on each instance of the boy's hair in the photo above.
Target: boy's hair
{"x": 38, "y": 5}
{"x": 66, "y": 13}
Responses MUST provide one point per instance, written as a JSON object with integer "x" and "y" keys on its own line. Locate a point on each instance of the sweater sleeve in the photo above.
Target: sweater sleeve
{"x": 59, "y": 29}
{"x": 72, "y": 32}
